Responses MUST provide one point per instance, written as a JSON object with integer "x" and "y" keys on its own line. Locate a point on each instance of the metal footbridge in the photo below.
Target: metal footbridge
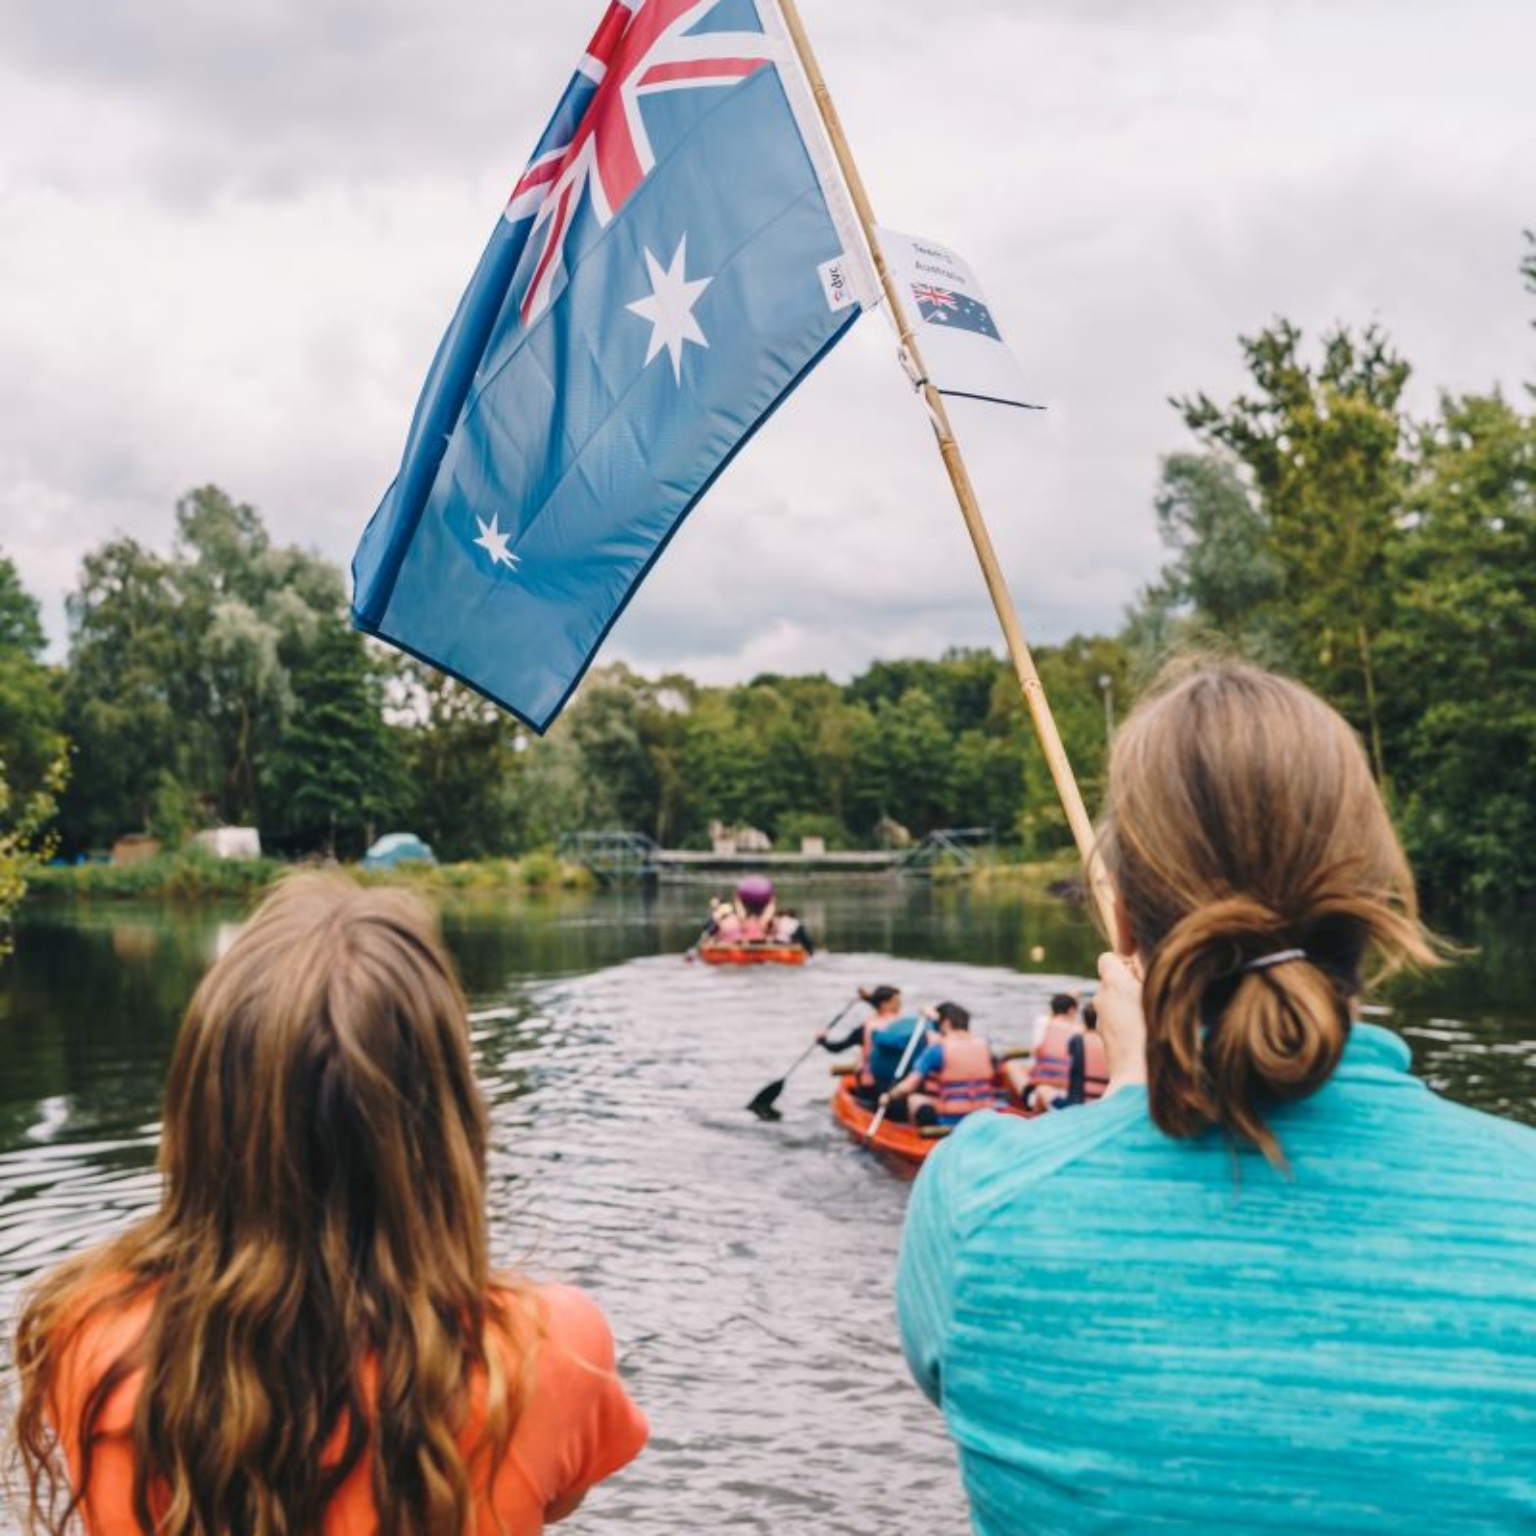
{"x": 617, "y": 856}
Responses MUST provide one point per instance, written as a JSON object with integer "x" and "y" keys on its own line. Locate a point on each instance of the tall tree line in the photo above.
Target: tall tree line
{"x": 219, "y": 682}
{"x": 1388, "y": 562}
{"x": 1313, "y": 525}
{"x": 33, "y": 748}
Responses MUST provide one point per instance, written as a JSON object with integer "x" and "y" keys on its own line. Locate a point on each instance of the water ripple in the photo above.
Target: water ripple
{"x": 746, "y": 1267}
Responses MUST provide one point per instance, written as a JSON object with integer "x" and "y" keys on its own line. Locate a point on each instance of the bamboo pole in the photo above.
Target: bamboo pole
{"x": 965, "y": 493}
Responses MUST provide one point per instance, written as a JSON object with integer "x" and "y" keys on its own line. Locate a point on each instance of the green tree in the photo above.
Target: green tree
{"x": 461, "y": 756}
{"x": 31, "y": 734}
{"x": 1324, "y": 447}
{"x": 336, "y": 776}
{"x": 255, "y": 609}
{"x": 21, "y": 622}
{"x": 547, "y": 790}
{"x": 987, "y": 780}
{"x": 172, "y": 812}
{"x": 33, "y": 749}
{"x": 180, "y": 681}
{"x": 905, "y": 761}
{"x": 125, "y": 708}
{"x": 605, "y": 724}
{"x": 663, "y": 726}
{"x": 1083, "y": 679}
{"x": 1222, "y": 584}
{"x": 24, "y": 840}
{"x": 1460, "y": 656}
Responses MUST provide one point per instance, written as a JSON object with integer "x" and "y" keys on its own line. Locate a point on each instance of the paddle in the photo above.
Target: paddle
{"x": 919, "y": 1033}
{"x": 763, "y": 1102}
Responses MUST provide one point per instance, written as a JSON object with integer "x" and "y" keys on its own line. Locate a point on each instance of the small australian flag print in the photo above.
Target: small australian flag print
{"x": 948, "y": 307}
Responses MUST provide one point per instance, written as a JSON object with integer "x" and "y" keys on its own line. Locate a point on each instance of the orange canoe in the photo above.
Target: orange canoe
{"x": 909, "y": 1143}
{"x": 748, "y": 952}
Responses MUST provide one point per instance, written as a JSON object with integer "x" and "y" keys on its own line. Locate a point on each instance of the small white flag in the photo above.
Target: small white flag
{"x": 962, "y": 348}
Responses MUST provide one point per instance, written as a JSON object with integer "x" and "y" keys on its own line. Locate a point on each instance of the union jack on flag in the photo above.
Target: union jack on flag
{"x": 680, "y": 210}
{"x": 937, "y": 298}
{"x": 636, "y": 52}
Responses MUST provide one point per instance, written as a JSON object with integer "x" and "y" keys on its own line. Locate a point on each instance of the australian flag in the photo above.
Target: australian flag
{"x": 948, "y": 306}
{"x": 675, "y": 259}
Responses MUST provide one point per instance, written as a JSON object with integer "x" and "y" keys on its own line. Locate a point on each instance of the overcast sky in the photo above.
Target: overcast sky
{"x": 232, "y": 231}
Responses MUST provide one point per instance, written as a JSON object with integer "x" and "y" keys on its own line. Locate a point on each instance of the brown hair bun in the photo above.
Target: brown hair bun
{"x": 1243, "y": 825}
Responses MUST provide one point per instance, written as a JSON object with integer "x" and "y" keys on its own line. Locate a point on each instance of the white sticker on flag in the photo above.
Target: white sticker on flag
{"x": 963, "y": 350}
{"x": 837, "y": 283}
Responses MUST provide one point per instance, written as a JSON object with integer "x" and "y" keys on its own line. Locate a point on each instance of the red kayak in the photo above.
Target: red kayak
{"x": 908, "y": 1143}
{"x": 751, "y": 952}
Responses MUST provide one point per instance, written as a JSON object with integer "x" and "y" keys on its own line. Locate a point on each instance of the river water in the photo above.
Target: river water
{"x": 746, "y": 1267}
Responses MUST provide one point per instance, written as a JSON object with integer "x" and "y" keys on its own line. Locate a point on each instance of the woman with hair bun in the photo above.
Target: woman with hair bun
{"x": 307, "y": 1336}
{"x": 1271, "y": 1282}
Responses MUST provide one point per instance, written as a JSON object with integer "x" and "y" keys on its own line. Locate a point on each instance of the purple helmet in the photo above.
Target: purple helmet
{"x": 755, "y": 892}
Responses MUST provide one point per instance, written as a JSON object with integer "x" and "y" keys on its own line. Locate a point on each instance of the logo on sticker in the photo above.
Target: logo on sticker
{"x": 836, "y": 283}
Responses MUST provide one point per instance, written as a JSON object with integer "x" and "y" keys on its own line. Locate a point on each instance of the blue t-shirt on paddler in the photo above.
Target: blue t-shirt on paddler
{"x": 1132, "y": 1333}
{"x": 888, "y": 1047}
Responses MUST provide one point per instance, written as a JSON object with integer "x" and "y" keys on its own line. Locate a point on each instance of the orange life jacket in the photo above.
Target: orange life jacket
{"x": 1052, "y": 1064}
{"x": 965, "y": 1080}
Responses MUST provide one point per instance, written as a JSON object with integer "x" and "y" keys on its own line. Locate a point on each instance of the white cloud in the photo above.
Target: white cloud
{"x": 234, "y": 232}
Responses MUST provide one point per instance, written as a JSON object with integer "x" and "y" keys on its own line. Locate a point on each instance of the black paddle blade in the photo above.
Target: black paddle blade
{"x": 762, "y": 1104}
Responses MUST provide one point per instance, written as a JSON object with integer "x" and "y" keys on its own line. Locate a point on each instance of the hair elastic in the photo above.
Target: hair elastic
{"x": 1280, "y": 957}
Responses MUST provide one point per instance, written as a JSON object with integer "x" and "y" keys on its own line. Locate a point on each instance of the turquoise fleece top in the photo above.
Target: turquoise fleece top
{"x": 1130, "y": 1333}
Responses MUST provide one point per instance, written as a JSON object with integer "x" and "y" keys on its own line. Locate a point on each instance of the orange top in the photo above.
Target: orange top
{"x": 577, "y": 1427}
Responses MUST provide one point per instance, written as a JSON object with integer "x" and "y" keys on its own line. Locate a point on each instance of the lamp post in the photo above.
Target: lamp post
{"x": 1107, "y": 688}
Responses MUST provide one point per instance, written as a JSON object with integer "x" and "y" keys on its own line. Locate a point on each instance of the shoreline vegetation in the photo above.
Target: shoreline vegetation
{"x": 192, "y": 876}
{"x": 1311, "y": 524}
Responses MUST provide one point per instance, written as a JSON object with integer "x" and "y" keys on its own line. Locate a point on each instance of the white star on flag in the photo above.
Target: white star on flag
{"x": 669, "y": 308}
{"x": 494, "y": 542}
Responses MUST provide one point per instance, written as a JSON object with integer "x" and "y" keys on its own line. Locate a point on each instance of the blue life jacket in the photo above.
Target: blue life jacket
{"x": 887, "y": 1048}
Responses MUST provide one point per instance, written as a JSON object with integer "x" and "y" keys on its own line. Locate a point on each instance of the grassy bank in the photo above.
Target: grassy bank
{"x": 539, "y": 871}
{"x": 194, "y": 876}
{"x": 1060, "y": 876}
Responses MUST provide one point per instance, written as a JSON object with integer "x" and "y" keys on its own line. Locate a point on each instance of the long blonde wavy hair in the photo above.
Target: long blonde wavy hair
{"x": 317, "y": 1270}
{"x": 1243, "y": 822}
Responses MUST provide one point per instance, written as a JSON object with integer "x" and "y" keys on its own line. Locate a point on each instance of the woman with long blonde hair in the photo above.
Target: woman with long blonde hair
{"x": 306, "y": 1336}
{"x": 1271, "y": 1282}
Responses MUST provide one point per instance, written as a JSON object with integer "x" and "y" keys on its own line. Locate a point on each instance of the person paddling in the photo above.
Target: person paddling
{"x": 753, "y": 918}
{"x": 723, "y": 924}
{"x": 306, "y": 1335}
{"x": 952, "y": 1077}
{"x": 1271, "y": 1282}
{"x": 1088, "y": 1072}
{"x": 788, "y": 928}
{"x": 882, "y": 1037}
{"x": 1063, "y": 1006}
{"x": 1043, "y": 1081}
